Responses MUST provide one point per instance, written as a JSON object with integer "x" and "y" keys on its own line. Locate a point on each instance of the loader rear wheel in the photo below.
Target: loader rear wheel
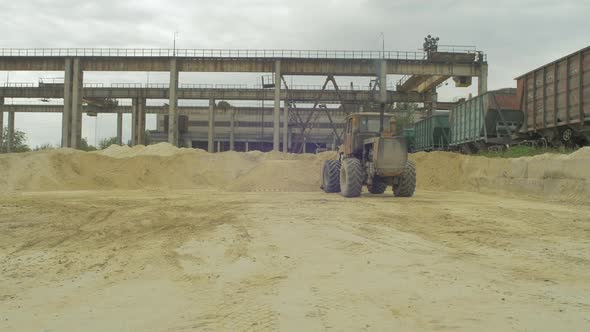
{"x": 404, "y": 185}
{"x": 351, "y": 177}
{"x": 378, "y": 185}
{"x": 331, "y": 176}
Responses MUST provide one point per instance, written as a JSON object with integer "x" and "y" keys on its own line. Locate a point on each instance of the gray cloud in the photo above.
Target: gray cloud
{"x": 517, "y": 35}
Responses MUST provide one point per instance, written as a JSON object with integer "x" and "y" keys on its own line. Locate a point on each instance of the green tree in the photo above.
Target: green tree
{"x": 224, "y": 105}
{"x": 19, "y": 141}
{"x": 106, "y": 142}
{"x": 405, "y": 115}
{"x": 84, "y": 146}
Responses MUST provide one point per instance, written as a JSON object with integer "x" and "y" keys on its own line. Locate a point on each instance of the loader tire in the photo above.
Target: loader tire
{"x": 378, "y": 186}
{"x": 404, "y": 185}
{"x": 352, "y": 176}
{"x": 331, "y": 176}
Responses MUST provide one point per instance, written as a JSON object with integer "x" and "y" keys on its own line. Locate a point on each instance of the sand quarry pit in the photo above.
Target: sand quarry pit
{"x": 164, "y": 239}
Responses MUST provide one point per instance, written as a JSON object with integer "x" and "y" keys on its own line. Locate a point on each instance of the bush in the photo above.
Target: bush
{"x": 106, "y": 142}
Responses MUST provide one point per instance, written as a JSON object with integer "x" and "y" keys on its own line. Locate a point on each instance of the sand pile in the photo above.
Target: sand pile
{"x": 562, "y": 177}
{"x": 159, "y": 166}
{"x": 552, "y": 176}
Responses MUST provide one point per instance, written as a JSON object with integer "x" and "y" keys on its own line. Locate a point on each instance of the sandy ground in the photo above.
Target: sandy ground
{"x": 206, "y": 259}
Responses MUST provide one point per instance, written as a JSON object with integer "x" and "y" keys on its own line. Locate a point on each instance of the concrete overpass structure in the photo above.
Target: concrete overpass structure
{"x": 241, "y": 127}
{"x": 293, "y": 95}
{"x": 74, "y": 62}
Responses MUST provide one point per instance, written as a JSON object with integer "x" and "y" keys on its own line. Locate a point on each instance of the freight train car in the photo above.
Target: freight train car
{"x": 489, "y": 120}
{"x": 555, "y": 99}
{"x": 432, "y": 133}
{"x": 410, "y": 136}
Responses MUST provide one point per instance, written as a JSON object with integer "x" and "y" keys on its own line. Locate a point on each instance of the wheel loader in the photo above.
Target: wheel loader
{"x": 372, "y": 154}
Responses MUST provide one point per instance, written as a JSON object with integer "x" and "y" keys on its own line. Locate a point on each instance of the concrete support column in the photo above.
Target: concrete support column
{"x": 10, "y": 133}
{"x": 218, "y": 146}
{"x": 138, "y": 121}
{"x": 277, "y": 107}
{"x": 286, "y": 128}
{"x": 232, "y": 129}
{"x": 211, "y": 132}
{"x": 246, "y": 148}
{"x": 120, "y": 128}
{"x": 173, "y": 103}
{"x": 66, "y": 121}
{"x": 141, "y": 121}
{"x": 77, "y": 81}
{"x": 482, "y": 80}
{"x": 133, "y": 121}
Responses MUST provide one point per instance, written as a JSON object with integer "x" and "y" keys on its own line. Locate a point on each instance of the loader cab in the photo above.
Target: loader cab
{"x": 360, "y": 126}
{"x": 366, "y": 123}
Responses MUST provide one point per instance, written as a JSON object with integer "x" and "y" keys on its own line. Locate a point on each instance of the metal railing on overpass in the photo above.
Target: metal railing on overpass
{"x": 18, "y": 84}
{"x": 211, "y": 53}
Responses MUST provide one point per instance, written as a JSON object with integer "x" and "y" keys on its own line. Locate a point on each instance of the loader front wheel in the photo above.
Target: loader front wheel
{"x": 331, "y": 176}
{"x": 404, "y": 185}
{"x": 351, "y": 177}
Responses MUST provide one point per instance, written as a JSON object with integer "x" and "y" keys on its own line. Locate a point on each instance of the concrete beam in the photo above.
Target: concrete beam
{"x": 421, "y": 84}
{"x": 173, "y": 103}
{"x": 290, "y": 66}
{"x": 430, "y": 83}
{"x": 328, "y": 96}
{"x": 45, "y": 108}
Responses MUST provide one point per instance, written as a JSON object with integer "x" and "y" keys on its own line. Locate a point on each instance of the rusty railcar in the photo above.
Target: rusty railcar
{"x": 555, "y": 99}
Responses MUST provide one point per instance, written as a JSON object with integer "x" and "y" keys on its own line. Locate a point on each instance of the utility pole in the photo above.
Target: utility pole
{"x": 174, "y": 43}
{"x": 383, "y": 45}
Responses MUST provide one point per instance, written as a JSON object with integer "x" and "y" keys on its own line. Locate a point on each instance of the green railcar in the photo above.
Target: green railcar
{"x": 493, "y": 118}
{"x": 432, "y": 133}
{"x": 410, "y": 137}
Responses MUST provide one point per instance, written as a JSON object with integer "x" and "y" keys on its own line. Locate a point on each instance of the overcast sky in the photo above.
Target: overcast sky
{"x": 517, "y": 35}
